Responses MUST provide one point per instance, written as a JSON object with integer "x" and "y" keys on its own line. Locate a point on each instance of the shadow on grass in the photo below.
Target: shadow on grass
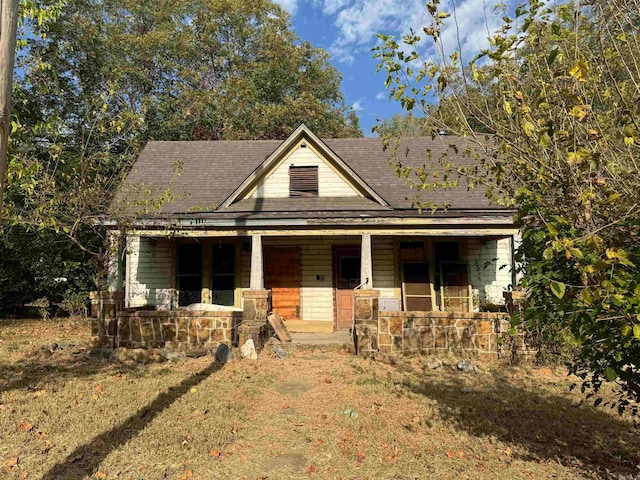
{"x": 547, "y": 426}
{"x": 28, "y": 374}
{"x": 85, "y": 459}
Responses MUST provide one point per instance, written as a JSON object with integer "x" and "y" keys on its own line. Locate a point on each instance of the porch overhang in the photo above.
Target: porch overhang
{"x": 460, "y": 226}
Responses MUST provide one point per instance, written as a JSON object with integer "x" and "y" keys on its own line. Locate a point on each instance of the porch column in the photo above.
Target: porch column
{"x": 366, "y": 265}
{"x": 113, "y": 262}
{"x": 257, "y": 276}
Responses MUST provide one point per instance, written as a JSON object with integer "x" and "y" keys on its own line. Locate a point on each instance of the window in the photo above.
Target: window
{"x": 189, "y": 273}
{"x": 223, "y": 260}
{"x": 416, "y": 287}
{"x": 452, "y": 277}
{"x": 303, "y": 181}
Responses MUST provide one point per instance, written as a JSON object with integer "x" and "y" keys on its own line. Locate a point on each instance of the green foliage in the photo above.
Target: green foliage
{"x": 36, "y": 264}
{"x": 97, "y": 79}
{"x": 551, "y": 109}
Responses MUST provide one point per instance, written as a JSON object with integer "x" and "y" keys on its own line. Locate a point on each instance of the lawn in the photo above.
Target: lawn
{"x": 314, "y": 414}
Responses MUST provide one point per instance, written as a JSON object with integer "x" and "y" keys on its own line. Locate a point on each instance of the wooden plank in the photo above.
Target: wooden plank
{"x": 276, "y": 322}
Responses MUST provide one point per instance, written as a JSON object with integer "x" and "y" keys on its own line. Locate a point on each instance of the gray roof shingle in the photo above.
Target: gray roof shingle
{"x": 210, "y": 171}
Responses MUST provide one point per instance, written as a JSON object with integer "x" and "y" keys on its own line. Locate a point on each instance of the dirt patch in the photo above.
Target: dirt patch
{"x": 289, "y": 461}
{"x": 293, "y": 388}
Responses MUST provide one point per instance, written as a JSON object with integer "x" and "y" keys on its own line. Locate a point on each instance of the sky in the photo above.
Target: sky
{"x": 347, "y": 30}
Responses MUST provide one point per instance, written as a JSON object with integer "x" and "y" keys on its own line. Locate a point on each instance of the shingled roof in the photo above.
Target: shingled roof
{"x": 203, "y": 174}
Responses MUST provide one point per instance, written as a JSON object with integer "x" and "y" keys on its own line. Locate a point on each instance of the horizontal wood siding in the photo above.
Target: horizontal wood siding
{"x": 489, "y": 268}
{"x": 330, "y": 184}
{"x": 150, "y": 272}
{"x": 316, "y": 292}
{"x": 383, "y": 266}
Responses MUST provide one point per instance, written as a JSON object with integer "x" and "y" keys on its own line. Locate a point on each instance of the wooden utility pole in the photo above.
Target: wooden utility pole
{"x": 8, "y": 26}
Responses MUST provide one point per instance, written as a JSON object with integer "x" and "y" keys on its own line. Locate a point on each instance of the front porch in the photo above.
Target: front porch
{"x": 312, "y": 277}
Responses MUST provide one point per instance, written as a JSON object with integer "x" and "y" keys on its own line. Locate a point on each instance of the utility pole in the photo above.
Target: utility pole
{"x": 8, "y": 27}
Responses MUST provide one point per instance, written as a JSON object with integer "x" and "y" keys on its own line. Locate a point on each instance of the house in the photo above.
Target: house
{"x": 309, "y": 220}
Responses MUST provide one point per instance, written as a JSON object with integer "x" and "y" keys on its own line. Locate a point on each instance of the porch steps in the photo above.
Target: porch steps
{"x": 314, "y": 341}
{"x": 309, "y": 326}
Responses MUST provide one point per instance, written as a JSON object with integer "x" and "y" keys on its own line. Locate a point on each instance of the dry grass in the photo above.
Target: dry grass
{"x": 87, "y": 418}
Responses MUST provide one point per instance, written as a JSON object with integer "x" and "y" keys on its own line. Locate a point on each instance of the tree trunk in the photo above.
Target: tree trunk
{"x": 8, "y": 26}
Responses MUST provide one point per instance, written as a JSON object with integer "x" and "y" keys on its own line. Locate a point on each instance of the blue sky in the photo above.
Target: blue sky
{"x": 347, "y": 30}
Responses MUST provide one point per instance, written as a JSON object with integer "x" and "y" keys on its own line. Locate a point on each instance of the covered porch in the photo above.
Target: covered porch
{"x": 312, "y": 275}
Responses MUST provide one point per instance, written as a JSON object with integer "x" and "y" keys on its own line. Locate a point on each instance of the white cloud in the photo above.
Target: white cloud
{"x": 290, "y": 6}
{"x": 330, "y": 7}
{"x": 358, "y": 22}
{"x": 382, "y": 96}
{"x": 357, "y": 106}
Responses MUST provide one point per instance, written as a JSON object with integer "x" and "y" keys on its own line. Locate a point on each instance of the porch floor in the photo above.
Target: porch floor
{"x": 339, "y": 338}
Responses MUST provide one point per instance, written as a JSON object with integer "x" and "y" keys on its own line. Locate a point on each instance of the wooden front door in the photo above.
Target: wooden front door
{"x": 346, "y": 272}
{"x": 282, "y": 277}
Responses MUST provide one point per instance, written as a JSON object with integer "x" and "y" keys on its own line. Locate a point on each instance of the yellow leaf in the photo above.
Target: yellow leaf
{"x": 579, "y": 71}
{"x": 507, "y": 108}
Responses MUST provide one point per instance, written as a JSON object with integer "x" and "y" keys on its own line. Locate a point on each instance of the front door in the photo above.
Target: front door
{"x": 282, "y": 277}
{"x": 346, "y": 271}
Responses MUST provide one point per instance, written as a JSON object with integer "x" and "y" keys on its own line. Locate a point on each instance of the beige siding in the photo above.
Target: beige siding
{"x": 149, "y": 272}
{"x": 330, "y": 184}
{"x": 383, "y": 266}
{"x": 316, "y": 290}
{"x": 489, "y": 268}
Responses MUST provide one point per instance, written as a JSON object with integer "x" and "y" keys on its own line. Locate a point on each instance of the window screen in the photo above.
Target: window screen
{"x": 303, "y": 181}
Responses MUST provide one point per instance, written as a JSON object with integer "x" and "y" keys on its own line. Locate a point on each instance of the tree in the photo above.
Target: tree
{"x": 8, "y": 25}
{"x": 556, "y": 95}
{"x": 97, "y": 79}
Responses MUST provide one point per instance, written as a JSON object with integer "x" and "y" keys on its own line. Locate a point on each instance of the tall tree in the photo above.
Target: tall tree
{"x": 8, "y": 26}
{"x": 104, "y": 76}
{"x": 558, "y": 90}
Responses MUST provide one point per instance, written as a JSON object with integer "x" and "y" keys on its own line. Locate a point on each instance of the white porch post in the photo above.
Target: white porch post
{"x": 366, "y": 265}
{"x": 257, "y": 276}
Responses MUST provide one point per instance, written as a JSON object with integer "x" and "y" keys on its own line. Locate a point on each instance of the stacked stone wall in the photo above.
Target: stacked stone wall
{"x": 178, "y": 329}
{"x": 474, "y": 334}
{"x": 480, "y": 335}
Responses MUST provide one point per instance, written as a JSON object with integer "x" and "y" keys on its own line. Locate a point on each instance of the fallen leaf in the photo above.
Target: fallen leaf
{"x": 360, "y": 456}
{"x": 142, "y": 467}
{"x": 319, "y": 442}
{"x": 40, "y": 393}
{"x": 11, "y": 463}
{"x": 24, "y": 427}
{"x": 508, "y": 451}
{"x": 39, "y": 435}
{"x": 48, "y": 445}
{"x": 311, "y": 469}
{"x": 214, "y": 453}
{"x": 186, "y": 475}
{"x": 100, "y": 474}
{"x": 326, "y": 380}
{"x": 448, "y": 453}
{"x": 243, "y": 458}
{"x": 23, "y": 474}
{"x": 460, "y": 454}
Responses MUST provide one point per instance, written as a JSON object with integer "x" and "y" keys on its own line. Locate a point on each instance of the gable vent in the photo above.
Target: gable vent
{"x": 303, "y": 181}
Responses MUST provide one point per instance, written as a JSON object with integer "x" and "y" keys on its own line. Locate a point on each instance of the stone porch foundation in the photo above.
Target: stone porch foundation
{"x": 177, "y": 329}
{"x": 479, "y": 335}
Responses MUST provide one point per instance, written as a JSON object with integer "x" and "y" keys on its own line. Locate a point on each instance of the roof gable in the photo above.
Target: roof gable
{"x": 302, "y": 147}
